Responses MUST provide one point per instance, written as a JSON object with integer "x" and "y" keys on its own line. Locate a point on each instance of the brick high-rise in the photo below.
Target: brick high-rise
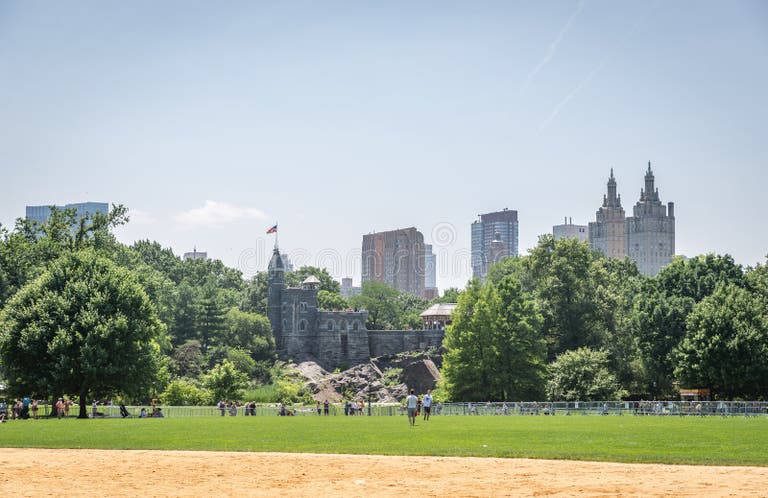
{"x": 395, "y": 258}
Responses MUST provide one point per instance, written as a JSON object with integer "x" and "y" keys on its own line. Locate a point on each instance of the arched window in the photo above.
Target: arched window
{"x": 302, "y": 307}
{"x": 343, "y": 325}
{"x": 302, "y": 325}
{"x": 331, "y": 325}
{"x": 355, "y": 325}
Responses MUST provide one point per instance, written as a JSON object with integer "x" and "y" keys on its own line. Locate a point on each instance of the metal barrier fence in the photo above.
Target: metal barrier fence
{"x": 649, "y": 408}
{"x": 545, "y": 408}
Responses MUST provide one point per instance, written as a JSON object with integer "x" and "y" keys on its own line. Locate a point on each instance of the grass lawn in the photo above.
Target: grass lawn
{"x": 689, "y": 440}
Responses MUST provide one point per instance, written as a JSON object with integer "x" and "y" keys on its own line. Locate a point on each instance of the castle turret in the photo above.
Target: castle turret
{"x": 275, "y": 287}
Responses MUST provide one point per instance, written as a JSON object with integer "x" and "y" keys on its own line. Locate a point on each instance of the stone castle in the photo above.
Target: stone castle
{"x": 330, "y": 338}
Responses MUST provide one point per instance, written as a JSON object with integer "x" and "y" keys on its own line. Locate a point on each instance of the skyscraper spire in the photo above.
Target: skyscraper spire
{"x": 649, "y": 190}
{"x": 612, "y": 199}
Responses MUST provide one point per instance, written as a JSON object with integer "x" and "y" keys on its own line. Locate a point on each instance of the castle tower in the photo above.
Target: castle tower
{"x": 651, "y": 230}
{"x": 607, "y": 233}
{"x": 275, "y": 287}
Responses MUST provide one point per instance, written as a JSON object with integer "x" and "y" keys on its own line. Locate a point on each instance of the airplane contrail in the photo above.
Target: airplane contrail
{"x": 552, "y": 47}
{"x": 591, "y": 75}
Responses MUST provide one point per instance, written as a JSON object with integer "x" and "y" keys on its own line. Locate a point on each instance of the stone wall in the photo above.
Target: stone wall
{"x": 341, "y": 338}
{"x": 386, "y": 342}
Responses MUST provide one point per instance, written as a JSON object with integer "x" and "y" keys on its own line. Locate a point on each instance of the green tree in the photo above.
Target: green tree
{"x": 186, "y": 314}
{"x": 582, "y": 375}
{"x": 251, "y": 332}
{"x": 159, "y": 258}
{"x": 327, "y": 283}
{"x": 725, "y": 347}
{"x": 84, "y": 327}
{"x": 210, "y": 324}
{"x": 615, "y": 283}
{"x": 225, "y": 381}
{"x": 188, "y": 359}
{"x": 182, "y": 392}
{"x": 380, "y": 300}
{"x": 329, "y": 301}
{"x": 450, "y": 295}
{"x": 493, "y": 350}
{"x": 253, "y": 299}
{"x": 409, "y": 307}
{"x": 242, "y": 360}
{"x": 31, "y": 247}
{"x": 561, "y": 272}
{"x": 662, "y": 307}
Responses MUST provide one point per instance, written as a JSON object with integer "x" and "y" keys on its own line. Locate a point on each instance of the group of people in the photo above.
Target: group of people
{"x": 62, "y": 407}
{"x": 324, "y": 409}
{"x": 156, "y": 412}
{"x": 230, "y": 407}
{"x": 20, "y": 409}
{"x": 415, "y": 405}
{"x": 354, "y": 407}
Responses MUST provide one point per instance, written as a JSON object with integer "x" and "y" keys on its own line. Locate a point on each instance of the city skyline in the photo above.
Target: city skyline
{"x": 337, "y": 120}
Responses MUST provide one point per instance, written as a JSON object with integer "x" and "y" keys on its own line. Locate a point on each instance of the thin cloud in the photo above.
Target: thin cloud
{"x": 594, "y": 72}
{"x": 215, "y": 213}
{"x": 552, "y": 47}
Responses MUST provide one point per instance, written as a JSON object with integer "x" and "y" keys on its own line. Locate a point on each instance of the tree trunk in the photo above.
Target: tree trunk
{"x": 83, "y": 404}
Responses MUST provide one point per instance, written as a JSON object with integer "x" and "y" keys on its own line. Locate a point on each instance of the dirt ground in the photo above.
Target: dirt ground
{"x": 31, "y": 472}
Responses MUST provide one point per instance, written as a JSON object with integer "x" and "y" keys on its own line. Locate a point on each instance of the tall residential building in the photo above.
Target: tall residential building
{"x": 41, "y": 214}
{"x": 395, "y": 258}
{"x": 647, "y": 237}
{"x": 570, "y": 231}
{"x": 287, "y": 264}
{"x": 494, "y": 236}
{"x": 195, "y": 254}
{"x": 430, "y": 273}
{"x": 608, "y": 233}
{"x": 347, "y": 289}
{"x": 651, "y": 230}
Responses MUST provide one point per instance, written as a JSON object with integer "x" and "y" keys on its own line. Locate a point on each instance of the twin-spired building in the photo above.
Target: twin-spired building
{"x": 647, "y": 237}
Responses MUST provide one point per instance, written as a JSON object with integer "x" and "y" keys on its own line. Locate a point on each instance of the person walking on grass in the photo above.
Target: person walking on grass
{"x": 410, "y": 403}
{"x": 427, "y": 404}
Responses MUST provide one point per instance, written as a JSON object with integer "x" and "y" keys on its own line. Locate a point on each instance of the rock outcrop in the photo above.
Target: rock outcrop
{"x": 386, "y": 379}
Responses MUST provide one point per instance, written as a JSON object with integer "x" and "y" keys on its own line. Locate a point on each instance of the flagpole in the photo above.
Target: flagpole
{"x": 276, "y": 232}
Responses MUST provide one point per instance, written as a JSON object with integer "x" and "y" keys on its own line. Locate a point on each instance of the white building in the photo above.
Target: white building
{"x": 570, "y": 231}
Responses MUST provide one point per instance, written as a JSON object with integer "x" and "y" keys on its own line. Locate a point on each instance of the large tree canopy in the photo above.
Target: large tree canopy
{"x": 84, "y": 327}
{"x": 494, "y": 350}
{"x": 725, "y": 347}
{"x": 661, "y": 310}
{"x": 582, "y": 375}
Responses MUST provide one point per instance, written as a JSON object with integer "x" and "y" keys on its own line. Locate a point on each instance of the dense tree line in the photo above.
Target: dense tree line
{"x": 85, "y": 316}
{"x": 607, "y": 331}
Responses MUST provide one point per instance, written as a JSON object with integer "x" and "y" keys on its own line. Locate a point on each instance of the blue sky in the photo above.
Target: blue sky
{"x": 211, "y": 122}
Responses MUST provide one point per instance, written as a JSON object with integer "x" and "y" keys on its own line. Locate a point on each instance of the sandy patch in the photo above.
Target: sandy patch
{"x": 34, "y": 472}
